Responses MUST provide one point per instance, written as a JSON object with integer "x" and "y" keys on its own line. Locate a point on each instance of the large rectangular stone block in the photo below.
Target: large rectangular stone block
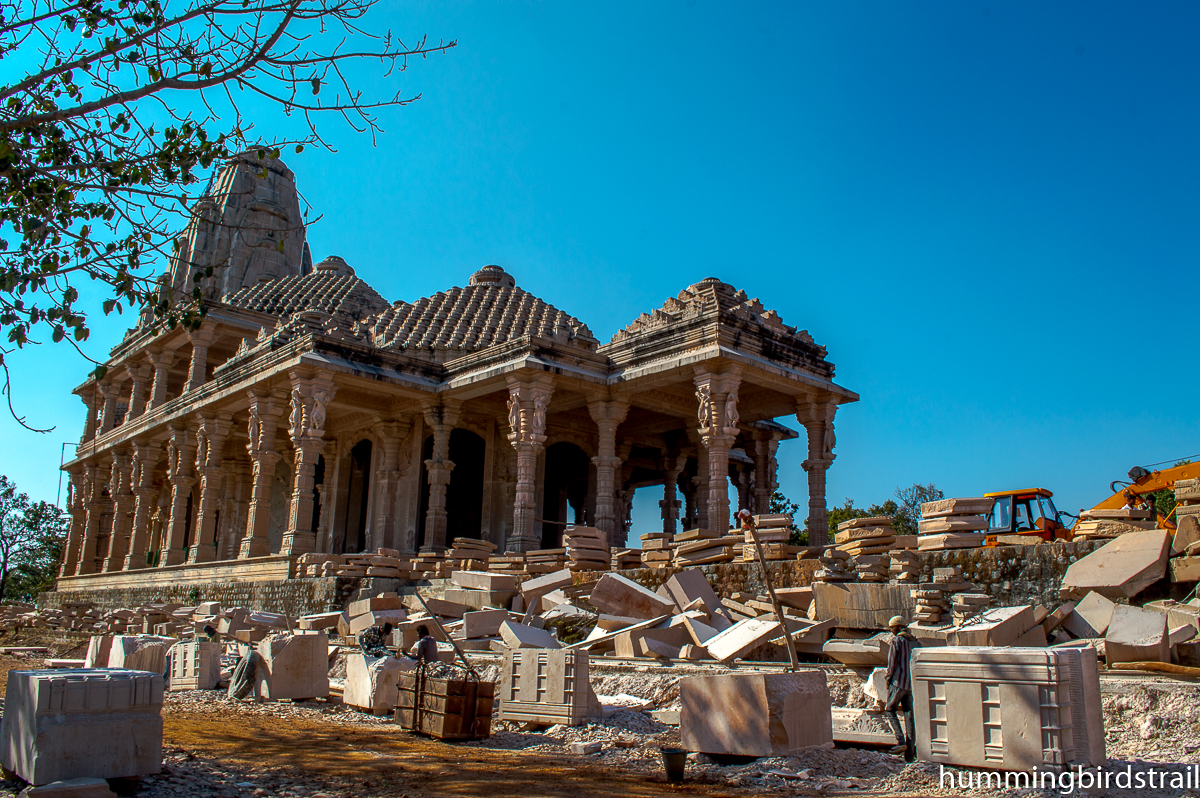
{"x": 1136, "y": 635}
{"x": 1008, "y": 708}
{"x": 755, "y": 714}
{"x": 546, "y": 687}
{"x": 371, "y": 682}
{"x": 70, "y": 724}
{"x": 293, "y": 666}
{"x": 616, "y": 595}
{"x": 1122, "y": 568}
{"x": 862, "y": 605}
{"x": 140, "y": 652}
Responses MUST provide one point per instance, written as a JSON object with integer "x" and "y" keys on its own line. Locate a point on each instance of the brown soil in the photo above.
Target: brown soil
{"x": 387, "y": 761}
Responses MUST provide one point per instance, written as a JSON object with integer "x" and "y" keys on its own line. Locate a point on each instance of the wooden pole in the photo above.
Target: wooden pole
{"x": 749, "y": 526}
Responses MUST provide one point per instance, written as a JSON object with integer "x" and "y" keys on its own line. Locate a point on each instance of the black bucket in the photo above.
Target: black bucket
{"x": 674, "y": 763}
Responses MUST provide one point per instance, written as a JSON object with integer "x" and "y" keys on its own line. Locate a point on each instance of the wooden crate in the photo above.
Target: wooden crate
{"x": 545, "y": 686}
{"x": 445, "y": 709}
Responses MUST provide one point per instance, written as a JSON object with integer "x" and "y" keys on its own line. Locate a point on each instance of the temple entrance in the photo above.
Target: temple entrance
{"x": 358, "y": 495}
{"x": 565, "y": 491}
{"x": 464, "y": 494}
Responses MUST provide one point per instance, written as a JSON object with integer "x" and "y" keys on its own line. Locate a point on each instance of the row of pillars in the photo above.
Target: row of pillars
{"x": 195, "y": 454}
{"x": 152, "y": 372}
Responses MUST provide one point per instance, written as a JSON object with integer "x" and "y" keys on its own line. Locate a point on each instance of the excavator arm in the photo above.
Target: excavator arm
{"x": 1145, "y": 482}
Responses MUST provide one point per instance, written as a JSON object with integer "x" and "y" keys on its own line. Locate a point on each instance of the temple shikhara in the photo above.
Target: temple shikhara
{"x": 307, "y": 413}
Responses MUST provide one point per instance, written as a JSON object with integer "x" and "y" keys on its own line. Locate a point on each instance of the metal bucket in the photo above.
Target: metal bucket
{"x": 674, "y": 763}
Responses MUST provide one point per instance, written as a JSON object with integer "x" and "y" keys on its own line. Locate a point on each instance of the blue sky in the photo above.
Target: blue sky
{"x": 986, "y": 211}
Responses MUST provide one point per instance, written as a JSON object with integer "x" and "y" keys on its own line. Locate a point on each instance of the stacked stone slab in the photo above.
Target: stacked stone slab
{"x": 545, "y": 561}
{"x": 931, "y": 604}
{"x": 470, "y": 554}
{"x": 872, "y": 535}
{"x": 969, "y": 605}
{"x": 774, "y": 532}
{"x": 835, "y": 567}
{"x": 656, "y": 549}
{"x": 705, "y": 547}
{"x": 870, "y": 567}
{"x": 510, "y": 562}
{"x": 625, "y": 559}
{"x": 1108, "y": 524}
{"x": 1185, "y": 546}
{"x": 79, "y": 723}
{"x": 954, "y": 523}
{"x": 904, "y": 566}
{"x": 587, "y": 549}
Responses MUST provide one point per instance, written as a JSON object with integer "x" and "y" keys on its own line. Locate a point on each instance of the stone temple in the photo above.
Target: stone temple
{"x": 307, "y": 413}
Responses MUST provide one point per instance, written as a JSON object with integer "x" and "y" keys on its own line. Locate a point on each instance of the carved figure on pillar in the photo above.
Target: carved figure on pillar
{"x": 265, "y": 411}
{"x": 86, "y": 562}
{"x": 716, "y": 396}
{"x": 441, "y": 419}
{"x": 310, "y": 396}
{"x": 608, "y": 413}
{"x": 817, "y": 418}
{"x": 528, "y": 400}
{"x": 145, "y": 458}
{"x": 77, "y": 506}
{"x": 181, "y": 450}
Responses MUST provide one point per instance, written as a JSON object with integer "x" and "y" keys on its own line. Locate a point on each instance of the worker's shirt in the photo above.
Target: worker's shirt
{"x": 898, "y": 655}
{"x": 427, "y": 649}
{"x": 371, "y": 641}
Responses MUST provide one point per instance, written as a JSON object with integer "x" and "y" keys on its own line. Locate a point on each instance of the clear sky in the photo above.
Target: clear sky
{"x": 986, "y": 211}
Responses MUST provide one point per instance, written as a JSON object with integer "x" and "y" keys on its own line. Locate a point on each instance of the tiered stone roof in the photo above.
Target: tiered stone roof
{"x": 489, "y": 311}
{"x": 344, "y": 297}
{"x": 710, "y": 296}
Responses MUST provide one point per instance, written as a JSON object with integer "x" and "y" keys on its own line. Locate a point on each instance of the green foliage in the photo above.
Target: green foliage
{"x": 780, "y": 504}
{"x": 32, "y": 535}
{"x": 92, "y": 189}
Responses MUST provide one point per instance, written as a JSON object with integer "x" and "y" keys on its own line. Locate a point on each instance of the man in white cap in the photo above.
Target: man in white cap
{"x": 900, "y": 689}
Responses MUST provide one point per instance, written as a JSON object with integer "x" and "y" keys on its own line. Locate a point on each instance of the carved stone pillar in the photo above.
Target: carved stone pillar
{"x": 441, "y": 420}
{"x": 210, "y": 449}
{"x": 310, "y": 400}
{"x": 608, "y": 415}
{"x": 120, "y": 488}
{"x": 386, "y": 484}
{"x": 145, "y": 458}
{"x": 108, "y": 410}
{"x": 86, "y": 562}
{"x": 89, "y": 423}
{"x": 669, "y": 504}
{"x": 138, "y": 374}
{"x": 528, "y": 400}
{"x": 181, "y": 452}
{"x": 699, "y": 495}
{"x": 265, "y": 410}
{"x": 765, "y": 445}
{"x": 77, "y": 505}
{"x": 817, "y": 419}
{"x": 198, "y": 368}
{"x": 718, "y": 416}
{"x": 744, "y": 478}
{"x": 161, "y": 362}
{"x": 234, "y": 508}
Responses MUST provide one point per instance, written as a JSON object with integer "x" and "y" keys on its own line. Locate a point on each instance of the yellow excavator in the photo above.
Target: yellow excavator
{"x": 1031, "y": 512}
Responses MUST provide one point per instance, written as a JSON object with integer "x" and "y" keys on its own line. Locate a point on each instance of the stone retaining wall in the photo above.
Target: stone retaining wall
{"x": 1009, "y": 574}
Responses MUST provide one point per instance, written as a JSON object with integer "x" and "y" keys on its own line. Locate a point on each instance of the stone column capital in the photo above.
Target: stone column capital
{"x": 161, "y": 358}
{"x": 310, "y": 398}
{"x": 528, "y": 403}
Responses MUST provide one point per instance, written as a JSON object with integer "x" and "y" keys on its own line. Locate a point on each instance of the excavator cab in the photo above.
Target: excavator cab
{"x": 1025, "y": 512}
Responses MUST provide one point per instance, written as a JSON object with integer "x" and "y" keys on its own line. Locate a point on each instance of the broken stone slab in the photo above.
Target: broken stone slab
{"x": 518, "y": 635}
{"x": 755, "y": 714}
{"x": 1056, "y": 618}
{"x": 375, "y": 604}
{"x": 1187, "y": 533}
{"x": 741, "y": 638}
{"x": 1034, "y": 638}
{"x": 864, "y": 534}
{"x": 484, "y": 580}
{"x": 99, "y": 650}
{"x": 988, "y": 707}
{"x": 870, "y": 652}
{"x": 72, "y": 788}
{"x": 1123, "y": 567}
{"x": 372, "y": 682}
{"x": 483, "y": 623}
{"x": 90, "y": 723}
{"x": 321, "y": 620}
{"x": 447, "y": 609}
{"x": 659, "y": 643}
{"x": 950, "y": 540}
{"x": 586, "y": 749}
{"x": 975, "y": 505}
{"x": 616, "y": 595}
{"x": 997, "y": 626}
{"x": 796, "y": 597}
{"x": 377, "y": 618}
{"x": 1185, "y": 569}
{"x": 140, "y": 652}
{"x": 533, "y": 588}
{"x": 875, "y": 686}
{"x": 1091, "y": 616}
{"x": 1177, "y": 614}
{"x": 688, "y": 586}
{"x": 1122, "y": 513}
{"x": 862, "y": 605}
{"x": 1181, "y": 634}
{"x": 293, "y": 666}
{"x": 599, "y": 640}
{"x": 1136, "y": 635}
{"x": 700, "y": 632}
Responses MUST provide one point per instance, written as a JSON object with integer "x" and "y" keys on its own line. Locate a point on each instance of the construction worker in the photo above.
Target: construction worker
{"x": 373, "y": 640}
{"x": 427, "y": 650}
{"x": 899, "y": 681}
